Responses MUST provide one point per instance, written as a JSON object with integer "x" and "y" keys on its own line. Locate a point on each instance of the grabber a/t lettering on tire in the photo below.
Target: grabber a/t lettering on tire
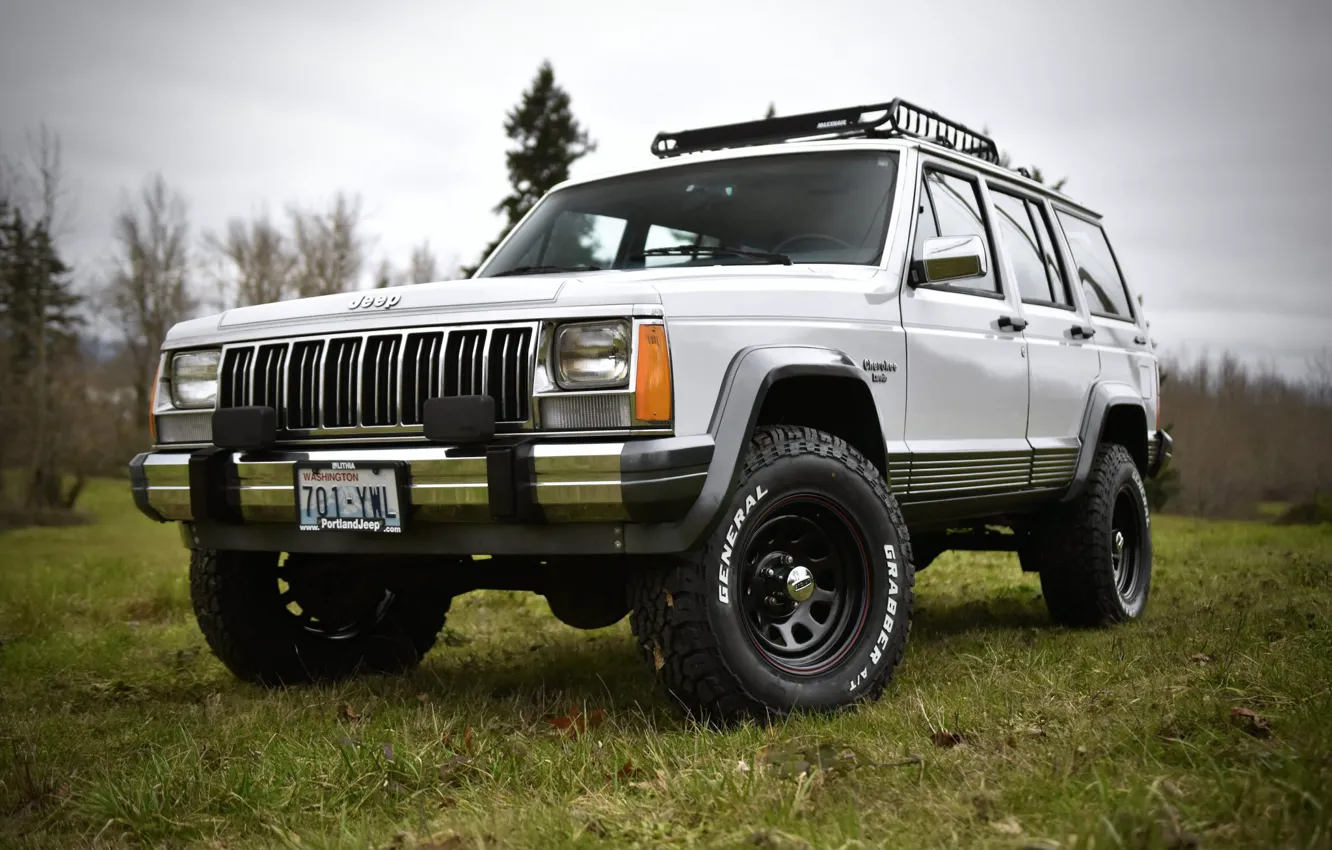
{"x": 1095, "y": 553}
{"x": 800, "y": 599}
{"x": 309, "y": 617}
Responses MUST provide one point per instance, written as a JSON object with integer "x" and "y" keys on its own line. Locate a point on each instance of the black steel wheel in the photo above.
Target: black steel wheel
{"x": 311, "y": 617}
{"x": 800, "y": 599}
{"x": 805, "y": 583}
{"x": 1126, "y": 536}
{"x": 1094, "y": 553}
{"x": 332, "y": 599}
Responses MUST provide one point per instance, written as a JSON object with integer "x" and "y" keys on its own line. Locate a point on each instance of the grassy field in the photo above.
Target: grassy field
{"x": 1207, "y": 724}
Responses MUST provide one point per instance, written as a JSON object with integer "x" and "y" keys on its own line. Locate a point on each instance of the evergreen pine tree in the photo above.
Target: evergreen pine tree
{"x": 548, "y": 141}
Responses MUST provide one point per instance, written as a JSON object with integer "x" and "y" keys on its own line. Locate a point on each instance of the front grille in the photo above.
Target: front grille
{"x": 380, "y": 380}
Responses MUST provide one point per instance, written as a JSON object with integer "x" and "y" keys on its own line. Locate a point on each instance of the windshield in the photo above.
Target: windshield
{"x": 827, "y": 207}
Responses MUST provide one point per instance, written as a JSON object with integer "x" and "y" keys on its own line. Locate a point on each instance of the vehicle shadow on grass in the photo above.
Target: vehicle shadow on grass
{"x": 942, "y": 621}
{"x": 607, "y": 672}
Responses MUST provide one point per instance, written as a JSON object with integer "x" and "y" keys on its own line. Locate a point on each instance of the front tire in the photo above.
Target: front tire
{"x": 1095, "y": 554}
{"x": 311, "y": 618}
{"x": 800, "y": 599}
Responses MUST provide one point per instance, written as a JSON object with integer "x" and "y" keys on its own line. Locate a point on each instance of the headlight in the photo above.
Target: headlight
{"x": 591, "y": 354}
{"x": 194, "y": 378}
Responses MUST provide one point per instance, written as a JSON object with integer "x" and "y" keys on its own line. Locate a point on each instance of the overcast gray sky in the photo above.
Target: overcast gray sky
{"x": 1199, "y": 129}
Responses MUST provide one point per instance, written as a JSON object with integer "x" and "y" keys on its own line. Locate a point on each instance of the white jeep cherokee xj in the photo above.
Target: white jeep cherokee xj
{"x": 742, "y": 395}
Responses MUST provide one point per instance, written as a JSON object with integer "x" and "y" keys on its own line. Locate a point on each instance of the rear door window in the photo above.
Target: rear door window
{"x": 1102, "y": 285}
{"x": 1054, "y": 267}
{"x": 1013, "y": 221}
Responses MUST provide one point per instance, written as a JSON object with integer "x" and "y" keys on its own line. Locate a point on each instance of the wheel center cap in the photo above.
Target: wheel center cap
{"x": 799, "y": 584}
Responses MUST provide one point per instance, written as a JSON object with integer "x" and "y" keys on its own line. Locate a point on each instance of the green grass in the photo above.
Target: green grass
{"x": 118, "y": 728}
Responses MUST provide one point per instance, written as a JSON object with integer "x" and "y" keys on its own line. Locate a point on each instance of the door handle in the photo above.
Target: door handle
{"x": 1083, "y": 332}
{"x": 1012, "y": 323}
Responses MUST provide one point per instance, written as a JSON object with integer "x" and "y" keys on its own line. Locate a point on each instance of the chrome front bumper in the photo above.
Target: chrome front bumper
{"x": 593, "y": 482}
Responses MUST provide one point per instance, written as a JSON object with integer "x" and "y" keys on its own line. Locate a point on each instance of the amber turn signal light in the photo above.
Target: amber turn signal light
{"x": 652, "y": 399}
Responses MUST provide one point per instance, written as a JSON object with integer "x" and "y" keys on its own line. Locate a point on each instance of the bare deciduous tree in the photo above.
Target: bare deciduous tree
{"x": 149, "y": 291}
{"x": 261, "y": 265}
{"x": 424, "y": 266}
{"x": 386, "y": 275}
{"x": 330, "y": 248}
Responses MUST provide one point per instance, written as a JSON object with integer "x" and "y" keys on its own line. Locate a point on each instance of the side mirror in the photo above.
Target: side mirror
{"x": 946, "y": 258}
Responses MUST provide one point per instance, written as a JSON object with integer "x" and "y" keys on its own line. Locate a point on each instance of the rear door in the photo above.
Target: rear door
{"x": 1121, "y": 333}
{"x": 966, "y": 412}
{"x": 1064, "y": 360}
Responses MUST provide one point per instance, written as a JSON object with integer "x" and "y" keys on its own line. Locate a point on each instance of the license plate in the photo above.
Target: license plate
{"x": 348, "y": 496}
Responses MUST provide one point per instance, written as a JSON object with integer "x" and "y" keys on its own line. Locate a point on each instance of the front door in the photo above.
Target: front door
{"x": 966, "y": 410}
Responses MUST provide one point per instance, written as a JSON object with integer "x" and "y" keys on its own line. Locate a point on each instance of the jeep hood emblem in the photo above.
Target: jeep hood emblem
{"x": 369, "y": 302}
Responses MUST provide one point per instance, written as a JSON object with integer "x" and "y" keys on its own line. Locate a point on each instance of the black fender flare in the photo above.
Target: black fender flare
{"x": 1104, "y": 396}
{"x": 751, "y": 374}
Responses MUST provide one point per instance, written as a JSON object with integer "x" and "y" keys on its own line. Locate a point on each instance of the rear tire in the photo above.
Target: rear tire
{"x": 1095, "y": 553}
{"x": 800, "y": 599}
{"x": 275, "y": 635}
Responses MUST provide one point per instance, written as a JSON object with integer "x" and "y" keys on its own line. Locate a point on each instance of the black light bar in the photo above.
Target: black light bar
{"x": 897, "y": 118}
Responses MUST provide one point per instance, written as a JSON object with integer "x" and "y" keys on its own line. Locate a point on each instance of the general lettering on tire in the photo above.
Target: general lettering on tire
{"x": 724, "y": 567}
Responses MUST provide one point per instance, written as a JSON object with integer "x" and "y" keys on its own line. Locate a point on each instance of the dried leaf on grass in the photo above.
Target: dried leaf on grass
{"x": 1201, "y": 658}
{"x": 794, "y": 759}
{"x": 577, "y": 722}
{"x": 947, "y": 740}
{"x": 346, "y": 712}
{"x": 626, "y": 773}
{"x": 452, "y": 766}
{"x": 1251, "y": 722}
{"x": 453, "y": 842}
{"x": 776, "y": 839}
{"x": 657, "y": 783}
{"x": 1007, "y": 826}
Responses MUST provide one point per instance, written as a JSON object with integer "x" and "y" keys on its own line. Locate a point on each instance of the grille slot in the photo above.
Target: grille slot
{"x": 340, "y": 368}
{"x": 302, "y": 409}
{"x": 420, "y": 374}
{"x": 507, "y": 364}
{"x": 464, "y": 363}
{"x": 266, "y": 388}
{"x": 234, "y": 384}
{"x": 379, "y": 381}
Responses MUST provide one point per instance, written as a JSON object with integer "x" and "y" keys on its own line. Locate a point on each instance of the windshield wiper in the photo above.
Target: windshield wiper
{"x": 516, "y": 270}
{"x": 714, "y": 250}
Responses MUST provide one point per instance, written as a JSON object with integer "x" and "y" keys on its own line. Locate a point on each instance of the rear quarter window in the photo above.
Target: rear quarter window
{"x": 1097, "y": 271}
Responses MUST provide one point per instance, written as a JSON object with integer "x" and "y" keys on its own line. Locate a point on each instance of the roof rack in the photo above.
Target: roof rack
{"x": 897, "y": 118}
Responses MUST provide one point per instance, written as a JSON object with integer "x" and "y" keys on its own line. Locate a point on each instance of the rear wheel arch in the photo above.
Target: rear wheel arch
{"x": 1126, "y": 425}
{"x": 1115, "y": 415}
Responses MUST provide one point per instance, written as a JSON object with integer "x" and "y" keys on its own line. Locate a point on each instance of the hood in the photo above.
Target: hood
{"x": 445, "y": 302}
{"x": 514, "y": 299}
